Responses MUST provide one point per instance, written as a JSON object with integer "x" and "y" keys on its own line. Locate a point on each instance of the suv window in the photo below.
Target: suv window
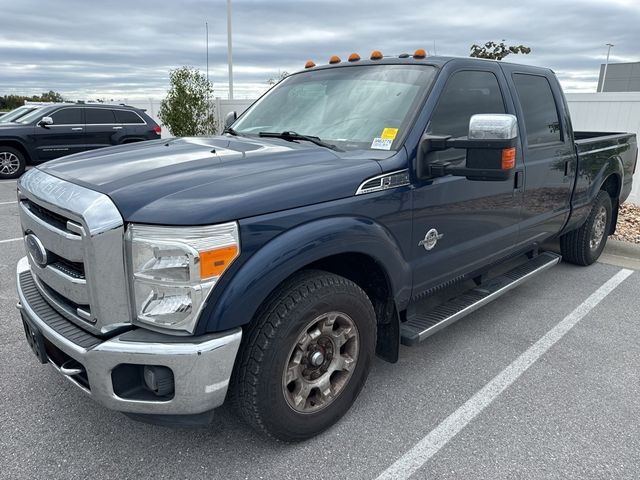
{"x": 539, "y": 109}
{"x": 95, "y": 116}
{"x": 126, "y": 116}
{"x": 67, "y": 116}
{"x": 466, "y": 93}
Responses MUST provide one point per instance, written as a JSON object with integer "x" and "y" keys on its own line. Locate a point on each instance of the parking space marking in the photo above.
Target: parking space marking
{"x": 426, "y": 448}
{"x": 11, "y": 240}
{"x": 8, "y": 203}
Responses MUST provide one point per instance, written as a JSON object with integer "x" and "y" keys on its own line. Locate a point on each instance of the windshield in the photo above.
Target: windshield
{"x": 14, "y": 115}
{"x": 360, "y": 107}
{"x": 38, "y": 113}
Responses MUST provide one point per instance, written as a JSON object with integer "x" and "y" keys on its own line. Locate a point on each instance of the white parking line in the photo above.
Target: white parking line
{"x": 426, "y": 448}
{"x": 8, "y": 203}
{"x": 11, "y": 240}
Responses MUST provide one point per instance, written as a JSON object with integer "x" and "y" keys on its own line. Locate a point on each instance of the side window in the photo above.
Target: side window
{"x": 67, "y": 116}
{"x": 466, "y": 93}
{"x": 539, "y": 109}
{"x": 126, "y": 116}
{"x": 95, "y": 116}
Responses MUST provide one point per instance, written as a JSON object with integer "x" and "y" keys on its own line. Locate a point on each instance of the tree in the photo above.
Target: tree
{"x": 186, "y": 110}
{"x": 497, "y": 51}
{"x": 51, "y": 96}
{"x": 9, "y": 102}
{"x": 281, "y": 76}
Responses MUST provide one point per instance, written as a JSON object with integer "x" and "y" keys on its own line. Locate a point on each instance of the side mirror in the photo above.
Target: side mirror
{"x": 491, "y": 149}
{"x": 45, "y": 122}
{"x": 229, "y": 118}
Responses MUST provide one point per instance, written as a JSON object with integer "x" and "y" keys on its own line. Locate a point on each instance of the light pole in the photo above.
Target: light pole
{"x": 229, "y": 54}
{"x": 606, "y": 64}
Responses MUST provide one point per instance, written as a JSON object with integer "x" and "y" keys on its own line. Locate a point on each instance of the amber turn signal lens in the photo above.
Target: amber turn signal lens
{"x": 214, "y": 262}
{"x": 420, "y": 53}
{"x": 309, "y": 64}
{"x": 334, "y": 59}
{"x": 508, "y": 158}
{"x": 376, "y": 55}
{"x": 354, "y": 57}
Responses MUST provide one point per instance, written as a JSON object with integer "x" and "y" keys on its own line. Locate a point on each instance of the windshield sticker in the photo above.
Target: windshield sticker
{"x": 382, "y": 143}
{"x": 389, "y": 133}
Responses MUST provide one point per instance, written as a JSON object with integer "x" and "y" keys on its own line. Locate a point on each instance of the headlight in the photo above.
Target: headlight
{"x": 175, "y": 268}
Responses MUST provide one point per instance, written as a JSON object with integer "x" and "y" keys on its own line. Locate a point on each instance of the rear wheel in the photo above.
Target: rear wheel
{"x": 12, "y": 163}
{"x": 306, "y": 357}
{"x": 584, "y": 245}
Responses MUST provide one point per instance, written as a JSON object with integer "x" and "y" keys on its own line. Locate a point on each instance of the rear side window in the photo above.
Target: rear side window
{"x": 98, "y": 116}
{"x": 67, "y": 116}
{"x": 126, "y": 116}
{"x": 466, "y": 93}
{"x": 539, "y": 109}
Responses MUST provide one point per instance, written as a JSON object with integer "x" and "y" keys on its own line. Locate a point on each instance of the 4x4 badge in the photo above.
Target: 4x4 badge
{"x": 430, "y": 239}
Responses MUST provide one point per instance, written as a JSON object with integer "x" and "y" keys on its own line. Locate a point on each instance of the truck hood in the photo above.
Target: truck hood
{"x": 198, "y": 181}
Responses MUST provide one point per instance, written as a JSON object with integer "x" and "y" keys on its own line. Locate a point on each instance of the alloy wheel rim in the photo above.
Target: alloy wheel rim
{"x": 9, "y": 163}
{"x": 321, "y": 362}
{"x": 599, "y": 224}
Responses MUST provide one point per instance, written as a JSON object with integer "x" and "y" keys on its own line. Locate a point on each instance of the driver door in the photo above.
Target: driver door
{"x": 472, "y": 222}
{"x": 65, "y": 136}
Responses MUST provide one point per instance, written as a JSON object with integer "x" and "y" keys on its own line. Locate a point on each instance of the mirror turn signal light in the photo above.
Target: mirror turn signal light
{"x": 354, "y": 57}
{"x": 376, "y": 55}
{"x": 309, "y": 64}
{"x": 334, "y": 59}
{"x": 508, "y": 158}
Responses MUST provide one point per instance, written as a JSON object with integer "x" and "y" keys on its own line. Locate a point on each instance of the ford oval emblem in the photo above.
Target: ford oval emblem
{"x": 36, "y": 250}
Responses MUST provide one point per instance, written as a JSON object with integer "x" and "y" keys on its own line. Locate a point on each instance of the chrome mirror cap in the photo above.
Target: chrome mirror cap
{"x": 493, "y": 126}
{"x": 46, "y": 121}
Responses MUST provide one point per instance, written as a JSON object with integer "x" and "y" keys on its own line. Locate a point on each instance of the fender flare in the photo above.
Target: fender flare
{"x": 27, "y": 148}
{"x": 289, "y": 252}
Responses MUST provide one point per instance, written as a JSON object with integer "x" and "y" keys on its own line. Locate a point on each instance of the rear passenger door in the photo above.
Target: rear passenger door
{"x": 102, "y": 128}
{"x": 549, "y": 153}
{"x": 64, "y": 137}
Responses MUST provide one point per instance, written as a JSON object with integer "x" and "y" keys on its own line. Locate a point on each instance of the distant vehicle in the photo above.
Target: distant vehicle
{"x": 355, "y": 206}
{"x": 17, "y": 113}
{"x": 55, "y": 130}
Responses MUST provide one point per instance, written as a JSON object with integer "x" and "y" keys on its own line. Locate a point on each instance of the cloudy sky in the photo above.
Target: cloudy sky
{"x": 124, "y": 49}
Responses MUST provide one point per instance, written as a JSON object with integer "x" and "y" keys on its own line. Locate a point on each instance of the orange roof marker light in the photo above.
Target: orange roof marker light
{"x": 376, "y": 55}
{"x": 309, "y": 64}
{"x": 420, "y": 53}
{"x": 334, "y": 59}
{"x": 354, "y": 57}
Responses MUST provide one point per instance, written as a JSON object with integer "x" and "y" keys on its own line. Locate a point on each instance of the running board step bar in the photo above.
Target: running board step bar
{"x": 423, "y": 325}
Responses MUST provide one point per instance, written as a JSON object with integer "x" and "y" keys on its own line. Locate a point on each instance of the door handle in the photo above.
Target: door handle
{"x": 117, "y": 128}
{"x": 77, "y": 129}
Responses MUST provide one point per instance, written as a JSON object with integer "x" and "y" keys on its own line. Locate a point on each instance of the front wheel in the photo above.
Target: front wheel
{"x": 306, "y": 357}
{"x": 584, "y": 245}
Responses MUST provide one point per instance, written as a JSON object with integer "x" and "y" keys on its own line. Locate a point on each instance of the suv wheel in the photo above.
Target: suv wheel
{"x": 12, "y": 163}
{"x": 306, "y": 357}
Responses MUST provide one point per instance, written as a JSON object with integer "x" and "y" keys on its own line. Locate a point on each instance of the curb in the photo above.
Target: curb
{"x": 622, "y": 249}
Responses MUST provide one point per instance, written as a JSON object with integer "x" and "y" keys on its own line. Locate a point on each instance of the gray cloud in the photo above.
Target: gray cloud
{"x": 125, "y": 49}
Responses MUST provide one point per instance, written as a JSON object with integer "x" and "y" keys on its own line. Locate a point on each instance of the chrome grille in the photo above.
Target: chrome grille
{"x": 82, "y": 233}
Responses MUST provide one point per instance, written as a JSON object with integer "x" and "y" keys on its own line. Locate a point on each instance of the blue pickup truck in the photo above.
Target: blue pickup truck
{"x": 355, "y": 207}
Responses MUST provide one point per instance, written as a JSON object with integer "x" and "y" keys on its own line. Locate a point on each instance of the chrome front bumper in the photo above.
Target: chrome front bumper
{"x": 201, "y": 365}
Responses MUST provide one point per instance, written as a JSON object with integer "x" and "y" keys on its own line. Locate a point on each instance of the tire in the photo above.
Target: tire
{"x": 12, "y": 163}
{"x": 584, "y": 245}
{"x": 293, "y": 344}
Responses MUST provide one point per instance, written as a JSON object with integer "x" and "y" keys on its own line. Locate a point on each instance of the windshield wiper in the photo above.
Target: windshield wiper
{"x": 290, "y": 136}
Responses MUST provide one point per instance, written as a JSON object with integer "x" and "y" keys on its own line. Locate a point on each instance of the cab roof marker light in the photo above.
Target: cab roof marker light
{"x": 309, "y": 64}
{"x": 354, "y": 57}
{"x": 420, "y": 53}
{"x": 334, "y": 59}
{"x": 376, "y": 55}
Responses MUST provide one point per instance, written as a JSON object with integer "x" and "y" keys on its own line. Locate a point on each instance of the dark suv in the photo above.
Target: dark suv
{"x": 54, "y": 131}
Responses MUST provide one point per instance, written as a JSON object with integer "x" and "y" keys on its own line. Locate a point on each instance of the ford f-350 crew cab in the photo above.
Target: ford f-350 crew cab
{"x": 353, "y": 207}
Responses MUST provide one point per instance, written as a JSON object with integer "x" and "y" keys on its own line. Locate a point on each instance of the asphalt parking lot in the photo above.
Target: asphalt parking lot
{"x": 542, "y": 383}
